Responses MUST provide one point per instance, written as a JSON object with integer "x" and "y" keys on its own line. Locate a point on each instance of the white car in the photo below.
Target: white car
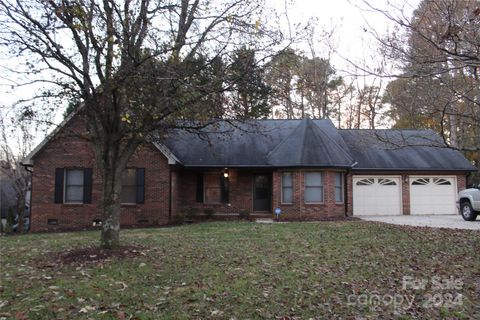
{"x": 469, "y": 203}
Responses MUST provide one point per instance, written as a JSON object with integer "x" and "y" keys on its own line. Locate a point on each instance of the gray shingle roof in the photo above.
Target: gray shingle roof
{"x": 262, "y": 143}
{"x": 403, "y": 150}
{"x": 313, "y": 143}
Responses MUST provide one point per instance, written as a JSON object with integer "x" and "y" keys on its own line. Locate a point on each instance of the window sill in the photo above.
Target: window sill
{"x": 314, "y": 203}
{"x": 287, "y": 203}
{"x": 73, "y": 204}
{"x": 128, "y": 204}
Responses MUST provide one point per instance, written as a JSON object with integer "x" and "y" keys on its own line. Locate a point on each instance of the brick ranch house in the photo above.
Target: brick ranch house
{"x": 307, "y": 168}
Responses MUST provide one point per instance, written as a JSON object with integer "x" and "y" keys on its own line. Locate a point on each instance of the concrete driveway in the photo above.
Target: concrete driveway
{"x": 434, "y": 221}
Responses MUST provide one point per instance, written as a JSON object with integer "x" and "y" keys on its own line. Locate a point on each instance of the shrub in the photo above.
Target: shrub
{"x": 209, "y": 212}
{"x": 9, "y": 227}
{"x": 191, "y": 213}
{"x": 244, "y": 214}
{"x": 178, "y": 219}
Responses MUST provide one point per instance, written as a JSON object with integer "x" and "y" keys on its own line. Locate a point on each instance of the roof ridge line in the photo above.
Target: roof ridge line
{"x": 303, "y": 139}
{"x": 336, "y": 143}
{"x": 283, "y": 141}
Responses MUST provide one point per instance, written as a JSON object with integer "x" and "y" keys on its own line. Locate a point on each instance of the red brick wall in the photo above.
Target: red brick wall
{"x": 461, "y": 182}
{"x": 240, "y": 193}
{"x": 241, "y": 189}
{"x": 301, "y": 210}
{"x": 69, "y": 151}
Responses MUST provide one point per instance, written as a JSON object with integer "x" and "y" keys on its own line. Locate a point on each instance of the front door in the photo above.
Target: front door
{"x": 262, "y": 192}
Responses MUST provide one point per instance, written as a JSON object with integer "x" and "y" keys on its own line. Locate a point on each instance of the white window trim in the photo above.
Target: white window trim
{"x": 342, "y": 181}
{"x": 65, "y": 186}
{"x": 281, "y": 188}
{"x": 322, "y": 186}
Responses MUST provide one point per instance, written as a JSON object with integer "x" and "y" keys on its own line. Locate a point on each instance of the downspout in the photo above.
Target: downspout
{"x": 170, "y": 196}
{"x": 345, "y": 191}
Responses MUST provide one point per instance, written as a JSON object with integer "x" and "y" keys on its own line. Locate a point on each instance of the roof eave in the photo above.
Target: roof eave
{"x": 225, "y": 165}
{"x": 417, "y": 169}
{"x": 172, "y": 159}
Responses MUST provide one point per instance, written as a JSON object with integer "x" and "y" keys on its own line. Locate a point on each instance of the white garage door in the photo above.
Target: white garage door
{"x": 376, "y": 195}
{"x": 432, "y": 195}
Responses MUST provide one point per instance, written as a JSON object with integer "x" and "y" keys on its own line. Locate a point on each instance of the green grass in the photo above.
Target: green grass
{"x": 240, "y": 270}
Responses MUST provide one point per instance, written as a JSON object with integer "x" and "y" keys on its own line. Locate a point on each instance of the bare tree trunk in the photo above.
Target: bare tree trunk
{"x": 453, "y": 130}
{"x": 358, "y": 115}
{"x": 302, "y": 105}
{"x": 110, "y": 237}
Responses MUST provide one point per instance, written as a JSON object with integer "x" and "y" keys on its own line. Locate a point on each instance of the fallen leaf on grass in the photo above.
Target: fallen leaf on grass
{"x": 86, "y": 309}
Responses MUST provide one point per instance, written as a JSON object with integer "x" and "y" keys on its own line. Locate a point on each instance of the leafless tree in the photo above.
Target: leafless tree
{"x": 10, "y": 164}
{"x": 436, "y": 53}
{"x": 111, "y": 55}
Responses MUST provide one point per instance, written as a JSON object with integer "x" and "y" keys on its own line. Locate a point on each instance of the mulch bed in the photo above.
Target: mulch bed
{"x": 89, "y": 255}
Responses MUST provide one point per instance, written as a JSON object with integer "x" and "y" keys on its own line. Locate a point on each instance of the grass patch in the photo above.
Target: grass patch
{"x": 245, "y": 270}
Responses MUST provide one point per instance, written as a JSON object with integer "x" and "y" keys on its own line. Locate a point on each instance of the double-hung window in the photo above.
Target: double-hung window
{"x": 212, "y": 188}
{"x": 74, "y": 185}
{"x": 287, "y": 187}
{"x": 133, "y": 186}
{"x": 313, "y": 187}
{"x": 129, "y": 186}
{"x": 338, "y": 187}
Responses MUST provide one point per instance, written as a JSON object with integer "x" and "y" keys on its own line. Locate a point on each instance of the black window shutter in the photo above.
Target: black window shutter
{"x": 59, "y": 185}
{"x": 224, "y": 188}
{"x": 140, "y": 176}
{"x": 87, "y": 185}
{"x": 199, "y": 187}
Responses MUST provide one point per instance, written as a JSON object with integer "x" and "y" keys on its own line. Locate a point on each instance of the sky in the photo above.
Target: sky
{"x": 349, "y": 19}
{"x": 352, "y": 23}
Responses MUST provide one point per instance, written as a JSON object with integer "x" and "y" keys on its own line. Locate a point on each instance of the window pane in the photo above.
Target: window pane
{"x": 74, "y": 194}
{"x": 338, "y": 179}
{"x": 129, "y": 186}
{"x": 129, "y": 194}
{"x": 287, "y": 179}
{"x": 338, "y": 187}
{"x": 75, "y": 177}
{"x": 74, "y": 185}
{"x": 338, "y": 194}
{"x": 287, "y": 196}
{"x": 129, "y": 177}
{"x": 314, "y": 194}
{"x": 313, "y": 179}
{"x": 212, "y": 188}
{"x": 212, "y": 195}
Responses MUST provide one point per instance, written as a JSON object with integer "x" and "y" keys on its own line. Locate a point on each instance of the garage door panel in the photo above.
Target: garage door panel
{"x": 375, "y": 195}
{"x": 432, "y": 195}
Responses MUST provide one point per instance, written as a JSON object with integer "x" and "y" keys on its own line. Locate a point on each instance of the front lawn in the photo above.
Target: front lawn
{"x": 239, "y": 270}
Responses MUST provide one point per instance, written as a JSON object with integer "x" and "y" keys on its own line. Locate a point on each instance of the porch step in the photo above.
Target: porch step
{"x": 264, "y": 220}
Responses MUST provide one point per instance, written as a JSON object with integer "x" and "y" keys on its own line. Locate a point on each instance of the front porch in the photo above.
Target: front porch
{"x": 232, "y": 193}
{"x": 223, "y": 192}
